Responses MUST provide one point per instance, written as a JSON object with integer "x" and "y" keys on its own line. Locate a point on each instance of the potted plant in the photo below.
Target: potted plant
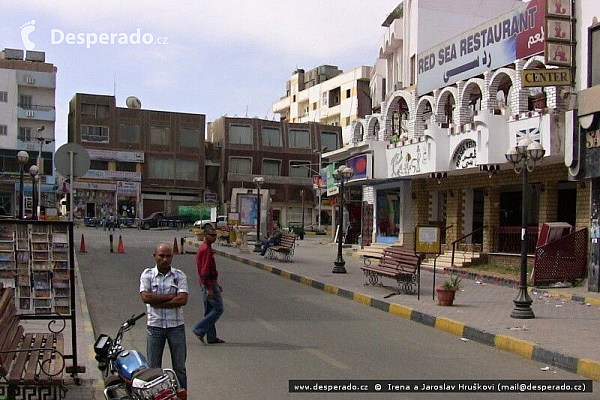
{"x": 447, "y": 291}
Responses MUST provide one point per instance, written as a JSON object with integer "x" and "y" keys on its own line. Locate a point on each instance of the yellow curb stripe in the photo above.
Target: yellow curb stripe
{"x": 267, "y": 268}
{"x": 285, "y": 274}
{"x": 362, "y": 299}
{"x": 331, "y": 289}
{"x": 400, "y": 311}
{"x": 515, "y": 346}
{"x": 592, "y": 301}
{"x": 306, "y": 281}
{"x": 450, "y": 326}
{"x": 589, "y": 368}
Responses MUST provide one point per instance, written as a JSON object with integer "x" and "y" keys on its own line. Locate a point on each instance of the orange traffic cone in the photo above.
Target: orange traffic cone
{"x": 120, "y": 246}
{"x": 82, "y": 245}
{"x": 175, "y": 248}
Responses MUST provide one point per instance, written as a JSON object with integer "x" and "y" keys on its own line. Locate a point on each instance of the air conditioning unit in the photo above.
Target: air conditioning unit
{"x": 29, "y": 113}
{"x": 29, "y": 79}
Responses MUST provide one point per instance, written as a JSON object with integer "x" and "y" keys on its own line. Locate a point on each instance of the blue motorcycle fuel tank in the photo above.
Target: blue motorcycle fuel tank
{"x": 129, "y": 361}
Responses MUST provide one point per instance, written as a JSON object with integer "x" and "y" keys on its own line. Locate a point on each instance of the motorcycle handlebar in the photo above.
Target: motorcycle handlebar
{"x": 131, "y": 321}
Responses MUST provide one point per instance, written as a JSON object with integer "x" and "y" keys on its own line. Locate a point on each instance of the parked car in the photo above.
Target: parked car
{"x": 221, "y": 222}
{"x": 159, "y": 218}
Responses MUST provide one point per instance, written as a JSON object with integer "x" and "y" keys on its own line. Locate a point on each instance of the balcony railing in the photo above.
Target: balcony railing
{"x": 509, "y": 239}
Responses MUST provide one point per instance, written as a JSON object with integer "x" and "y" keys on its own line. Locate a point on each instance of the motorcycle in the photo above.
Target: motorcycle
{"x": 127, "y": 374}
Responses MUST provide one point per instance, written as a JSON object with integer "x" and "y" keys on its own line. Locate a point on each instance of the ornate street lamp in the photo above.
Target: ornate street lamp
{"x": 22, "y": 157}
{"x": 523, "y": 157}
{"x": 33, "y": 171}
{"x": 343, "y": 173}
{"x": 258, "y": 180}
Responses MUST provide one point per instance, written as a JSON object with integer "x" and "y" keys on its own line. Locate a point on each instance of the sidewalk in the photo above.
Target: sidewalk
{"x": 563, "y": 334}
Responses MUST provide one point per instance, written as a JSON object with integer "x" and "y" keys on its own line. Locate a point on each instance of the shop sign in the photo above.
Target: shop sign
{"x": 465, "y": 155}
{"x": 128, "y": 189}
{"x": 514, "y": 35}
{"x": 210, "y": 198}
{"x": 592, "y": 139}
{"x": 108, "y": 187}
{"x": 111, "y": 155}
{"x": 546, "y": 77}
{"x": 113, "y": 175}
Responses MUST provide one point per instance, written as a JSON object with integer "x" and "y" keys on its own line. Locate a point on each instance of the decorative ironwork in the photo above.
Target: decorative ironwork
{"x": 41, "y": 363}
{"x": 562, "y": 260}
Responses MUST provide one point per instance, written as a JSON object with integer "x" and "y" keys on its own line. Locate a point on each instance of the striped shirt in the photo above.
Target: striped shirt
{"x": 172, "y": 282}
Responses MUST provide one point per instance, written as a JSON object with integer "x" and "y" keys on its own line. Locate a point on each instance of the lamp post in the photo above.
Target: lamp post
{"x": 343, "y": 173}
{"x": 302, "y": 230}
{"x": 22, "y": 157}
{"x": 33, "y": 171}
{"x": 523, "y": 157}
{"x": 323, "y": 150}
{"x": 40, "y": 165}
{"x": 258, "y": 180}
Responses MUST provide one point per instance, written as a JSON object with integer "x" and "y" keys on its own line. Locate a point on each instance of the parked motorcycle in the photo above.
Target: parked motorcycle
{"x": 127, "y": 373}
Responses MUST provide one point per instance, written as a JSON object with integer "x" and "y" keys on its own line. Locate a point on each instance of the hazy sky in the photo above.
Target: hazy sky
{"x": 214, "y": 57}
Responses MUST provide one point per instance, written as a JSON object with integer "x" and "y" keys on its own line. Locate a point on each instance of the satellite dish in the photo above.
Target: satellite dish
{"x": 133, "y": 102}
{"x": 81, "y": 160}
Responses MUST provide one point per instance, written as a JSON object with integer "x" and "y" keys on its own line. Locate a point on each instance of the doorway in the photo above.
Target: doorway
{"x": 90, "y": 210}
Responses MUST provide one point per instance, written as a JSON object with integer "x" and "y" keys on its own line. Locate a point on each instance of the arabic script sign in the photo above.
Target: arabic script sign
{"x": 494, "y": 44}
{"x": 465, "y": 155}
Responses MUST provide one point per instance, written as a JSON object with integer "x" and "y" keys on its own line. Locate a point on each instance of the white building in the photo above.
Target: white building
{"x": 328, "y": 96}
{"x": 27, "y": 122}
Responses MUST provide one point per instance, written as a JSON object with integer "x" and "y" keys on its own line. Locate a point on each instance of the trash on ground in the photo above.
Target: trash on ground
{"x": 464, "y": 339}
{"x": 519, "y": 328}
{"x": 546, "y": 368}
{"x": 562, "y": 285}
{"x": 479, "y": 282}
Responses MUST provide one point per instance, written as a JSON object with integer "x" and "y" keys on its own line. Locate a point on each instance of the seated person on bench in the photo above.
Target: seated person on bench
{"x": 273, "y": 240}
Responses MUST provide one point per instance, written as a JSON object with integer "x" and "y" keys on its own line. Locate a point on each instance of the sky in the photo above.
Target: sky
{"x": 209, "y": 57}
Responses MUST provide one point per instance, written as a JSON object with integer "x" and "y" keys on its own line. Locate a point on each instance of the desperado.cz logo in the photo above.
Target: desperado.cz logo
{"x": 57, "y": 36}
{"x": 89, "y": 39}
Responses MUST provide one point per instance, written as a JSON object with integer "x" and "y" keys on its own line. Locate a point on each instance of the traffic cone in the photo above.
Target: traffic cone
{"x": 175, "y": 248}
{"x": 82, "y": 245}
{"x": 120, "y": 246}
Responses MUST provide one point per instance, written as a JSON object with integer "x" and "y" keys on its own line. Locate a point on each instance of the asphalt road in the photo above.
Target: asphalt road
{"x": 278, "y": 330}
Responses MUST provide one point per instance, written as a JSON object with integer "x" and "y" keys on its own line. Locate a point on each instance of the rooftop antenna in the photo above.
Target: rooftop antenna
{"x": 246, "y": 110}
{"x": 115, "y": 85}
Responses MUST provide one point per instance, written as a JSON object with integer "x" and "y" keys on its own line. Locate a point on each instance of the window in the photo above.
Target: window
{"x": 102, "y": 111}
{"x": 187, "y": 170}
{"x": 299, "y": 138}
{"x": 271, "y": 167}
{"x": 3, "y": 130}
{"x": 329, "y": 140}
{"x": 239, "y": 165}
{"x": 3, "y": 97}
{"x": 325, "y": 100}
{"x": 159, "y": 168}
{"x": 300, "y": 169}
{"x": 314, "y": 106}
{"x": 94, "y": 133}
{"x": 594, "y": 62}
{"x": 25, "y": 134}
{"x": 240, "y": 134}
{"x": 334, "y": 97}
{"x": 25, "y": 101}
{"x": 159, "y": 135}
{"x": 129, "y": 133}
{"x": 271, "y": 137}
{"x": 126, "y": 166}
{"x": 99, "y": 165}
{"x": 88, "y": 109}
{"x": 189, "y": 138}
{"x": 348, "y": 91}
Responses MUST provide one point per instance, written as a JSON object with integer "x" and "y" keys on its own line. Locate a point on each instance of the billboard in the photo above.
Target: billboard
{"x": 491, "y": 45}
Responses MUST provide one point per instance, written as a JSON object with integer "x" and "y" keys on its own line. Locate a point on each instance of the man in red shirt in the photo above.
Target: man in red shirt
{"x": 211, "y": 290}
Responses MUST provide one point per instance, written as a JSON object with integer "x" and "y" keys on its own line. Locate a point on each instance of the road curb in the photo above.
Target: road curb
{"x": 585, "y": 367}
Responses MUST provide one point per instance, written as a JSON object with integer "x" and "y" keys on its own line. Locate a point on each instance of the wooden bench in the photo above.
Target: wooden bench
{"x": 224, "y": 235}
{"x": 396, "y": 263}
{"x": 31, "y": 364}
{"x": 285, "y": 248}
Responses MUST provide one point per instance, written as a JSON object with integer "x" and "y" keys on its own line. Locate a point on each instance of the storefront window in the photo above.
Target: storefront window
{"x": 388, "y": 215}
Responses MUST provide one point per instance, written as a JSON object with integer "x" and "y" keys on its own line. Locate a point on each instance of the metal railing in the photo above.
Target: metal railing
{"x": 462, "y": 238}
{"x": 562, "y": 260}
{"x": 509, "y": 239}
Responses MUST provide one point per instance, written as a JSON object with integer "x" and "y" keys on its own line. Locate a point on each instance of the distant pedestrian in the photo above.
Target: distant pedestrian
{"x": 165, "y": 291}
{"x": 111, "y": 222}
{"x": 211, "y": 290}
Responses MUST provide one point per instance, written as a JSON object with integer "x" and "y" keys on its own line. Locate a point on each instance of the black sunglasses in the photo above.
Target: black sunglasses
{"x": 211, "y": 234}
